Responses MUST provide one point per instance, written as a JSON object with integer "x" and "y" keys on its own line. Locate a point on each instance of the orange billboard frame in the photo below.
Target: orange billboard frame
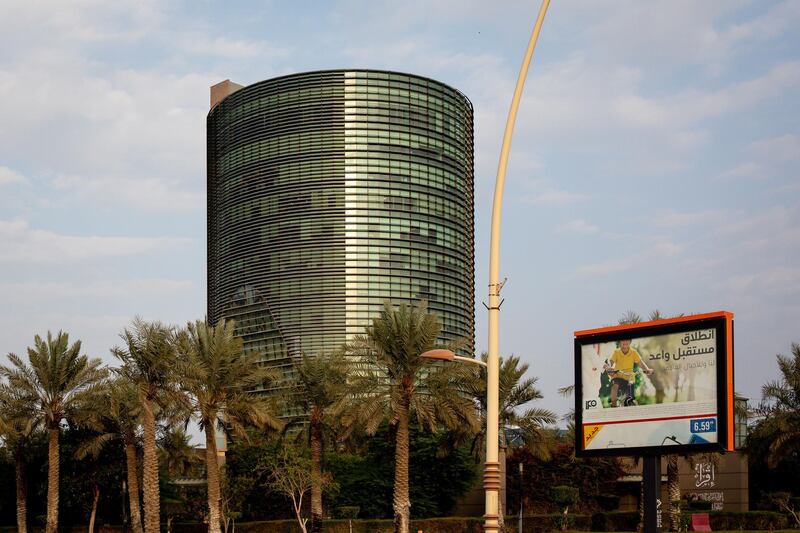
{"x": 725, "y": 382}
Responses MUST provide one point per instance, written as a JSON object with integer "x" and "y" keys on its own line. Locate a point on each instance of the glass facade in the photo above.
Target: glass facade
{"x": 332, "y": 192}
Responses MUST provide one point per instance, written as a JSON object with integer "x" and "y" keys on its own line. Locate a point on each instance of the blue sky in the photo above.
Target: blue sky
{"x": 654, "y": 163}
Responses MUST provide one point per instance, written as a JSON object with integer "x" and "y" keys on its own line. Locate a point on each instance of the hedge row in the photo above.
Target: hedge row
{"x": 608, "y": 521}
{"x": 768, "y": 520}
{"x": 720, "y": 521}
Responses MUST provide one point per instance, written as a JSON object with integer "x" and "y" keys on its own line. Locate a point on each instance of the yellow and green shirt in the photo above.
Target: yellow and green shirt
{"x": 624, "y": 362}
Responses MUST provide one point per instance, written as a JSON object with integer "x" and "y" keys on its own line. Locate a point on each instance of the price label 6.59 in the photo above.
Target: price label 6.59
{"x": 703, "y": 425}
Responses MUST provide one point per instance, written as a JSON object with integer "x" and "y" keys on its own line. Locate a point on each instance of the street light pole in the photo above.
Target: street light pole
{"x": 521, "y": 498}
{"x": 491, "y": 471}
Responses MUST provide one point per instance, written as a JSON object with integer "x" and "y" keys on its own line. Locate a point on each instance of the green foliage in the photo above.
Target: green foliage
{"x": 176, "y": 456}
{"x": 592, "y": 477}
{"x": 752, "y": 520}
{"x": 321, "y": 382}
{"x": 531, "y": 524}
{"x": 363, "y": 481}
{"x": 218, "y": 376}
{"x": 113, "y": 412}
{"x": 8, "y": 508}
{"x": 388, "y": 372}
{"x": 290, "y": 474}
{"x": 244, "y": 470}
{"x": 437, "y": 478}
{"x": 515, "y": 393}
{"x": 564, "y": 495}
{"x": 148, "y": 360}
{"x": 106, "y": 470}
{"x": 56, "y": 379}
{"x": 700, "y": 505}
{"x": 780, "y": 407}
{"x": 607, "y": 502}
{"x": 188, "y": 504}
{"x": 347, "y": 512}
{"x": 36, "y": 474}
{"x": 773, "y": 443}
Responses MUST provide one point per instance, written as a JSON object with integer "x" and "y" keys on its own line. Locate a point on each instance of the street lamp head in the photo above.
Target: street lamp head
{"x": 439, "y": 355}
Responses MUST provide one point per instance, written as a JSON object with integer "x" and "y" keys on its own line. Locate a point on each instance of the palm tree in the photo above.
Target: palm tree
{"x": 321, "y": 384}
{"x": 57, "y": 380}
{"x": 780, "y": 405}
{"x": 114, "y": 413}
{"x": 148, "y": 363}
{"x": 176, "y": 454}
{"x": 515, "y": 392}
{"x": 391, "y": 381}
{"x": 218, "y": 374}
{"x": 18, "y": 424}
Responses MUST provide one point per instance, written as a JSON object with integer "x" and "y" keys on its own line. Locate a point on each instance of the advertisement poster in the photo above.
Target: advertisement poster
{"x": 650, "y": 391}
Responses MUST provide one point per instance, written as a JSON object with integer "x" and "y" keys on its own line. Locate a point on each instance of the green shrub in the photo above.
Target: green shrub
{"x": 347, "y": 512}
{"x": 624, "y": 520}
{"x": 608, "y": 502}
{"x": 600, "y": 522}
{"x": 564, "y": 496}
{"x": 700, "y": 505}
{"x": 542, "y": 523}
{"x": 766, "y": 520}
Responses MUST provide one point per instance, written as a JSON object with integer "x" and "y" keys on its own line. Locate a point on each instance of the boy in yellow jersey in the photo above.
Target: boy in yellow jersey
{"x": 621, "y": 371}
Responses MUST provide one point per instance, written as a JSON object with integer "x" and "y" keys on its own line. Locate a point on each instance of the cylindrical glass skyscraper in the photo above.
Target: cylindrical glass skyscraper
{"x": 332, "y": 192}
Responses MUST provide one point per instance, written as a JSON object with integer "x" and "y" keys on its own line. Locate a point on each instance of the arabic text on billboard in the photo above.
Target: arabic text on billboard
{"x": 650, "y": 391}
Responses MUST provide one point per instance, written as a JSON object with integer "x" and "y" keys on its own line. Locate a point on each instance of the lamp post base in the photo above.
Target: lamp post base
{"x": 491, "y": 484}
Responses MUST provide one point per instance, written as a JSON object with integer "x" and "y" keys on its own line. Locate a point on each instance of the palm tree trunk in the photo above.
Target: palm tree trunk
{"x": 96, "y": 492}
{"x": 152, "y": 512}
{"x": 316, "y": 471}
{"x": 52, "y": 480}
{"x": 402, "y": 503}
{"x": 133, "y": 482}
{"x": 673, "y": 483}
{"x": 640, "y": 525}
{"x": 22, "y": 497}
{"x": 212, "y": 475}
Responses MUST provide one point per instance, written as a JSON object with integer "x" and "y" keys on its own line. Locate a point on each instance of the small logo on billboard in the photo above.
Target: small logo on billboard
{"x": 591, "y": 404}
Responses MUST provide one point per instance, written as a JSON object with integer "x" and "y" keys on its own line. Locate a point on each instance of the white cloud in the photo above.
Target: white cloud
{"x": 676, "y": 219}
{"x": 706, "y": 38}
{"x": 136, "y": 138}
{"x": 749, "y": 170}
{"x": 231, "y": 49}
{"x": 604, "y": 268}
{"x": 22, "y": 244}
{"x": 8, "y": 176}
{"x": 767, "y": 158}
{"x": 777, "y": 149}
{"x": 579, "y": 226}
{"x": 658, "y": 249}
{"x": 131, "y": 288}
{"x": 112, "y": 131}
{"x": 665, "y": 249}
{"x": 161, "y": 194}
{"x": 578, "y": 97}
{"x": 553, "y": 197}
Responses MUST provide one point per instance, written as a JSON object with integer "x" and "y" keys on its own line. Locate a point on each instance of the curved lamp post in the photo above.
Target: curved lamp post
{"x": 491, "y": 472}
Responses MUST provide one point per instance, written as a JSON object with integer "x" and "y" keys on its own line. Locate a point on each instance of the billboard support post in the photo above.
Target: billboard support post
{"x": 651, "y": 478}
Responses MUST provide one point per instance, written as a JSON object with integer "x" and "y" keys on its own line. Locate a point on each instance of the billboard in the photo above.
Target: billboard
{"x": 664, "y": 386}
